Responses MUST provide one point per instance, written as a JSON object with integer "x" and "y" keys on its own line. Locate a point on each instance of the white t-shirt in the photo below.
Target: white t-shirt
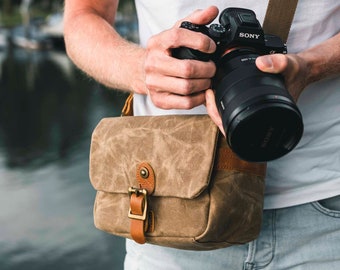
{"x": 312, "y": 170}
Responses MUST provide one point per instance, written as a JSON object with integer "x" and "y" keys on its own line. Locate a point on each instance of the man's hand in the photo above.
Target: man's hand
{"x": 294, "y": 69}
{"x": 179, "y": 84}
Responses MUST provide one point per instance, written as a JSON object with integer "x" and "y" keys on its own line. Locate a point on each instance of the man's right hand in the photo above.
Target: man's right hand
{"x": 179, "y": 84}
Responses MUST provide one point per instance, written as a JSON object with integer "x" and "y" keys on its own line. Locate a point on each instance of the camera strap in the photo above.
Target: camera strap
{"x": 279, "y": 17}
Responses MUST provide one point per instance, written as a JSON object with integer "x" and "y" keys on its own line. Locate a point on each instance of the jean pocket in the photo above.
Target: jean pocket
{"x": 330, "y": 206}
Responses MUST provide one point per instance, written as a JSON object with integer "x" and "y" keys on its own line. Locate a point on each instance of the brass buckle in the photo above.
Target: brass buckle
{"x": 139, "y": 192}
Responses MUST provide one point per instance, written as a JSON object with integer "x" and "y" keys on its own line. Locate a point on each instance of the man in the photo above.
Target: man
{"x": 301, "y": 226}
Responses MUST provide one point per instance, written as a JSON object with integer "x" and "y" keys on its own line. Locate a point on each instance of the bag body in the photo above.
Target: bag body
{"x": 173, "y": 181}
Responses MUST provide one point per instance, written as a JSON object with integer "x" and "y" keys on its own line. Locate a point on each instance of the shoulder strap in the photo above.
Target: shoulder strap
{"x": 279, "y": 17}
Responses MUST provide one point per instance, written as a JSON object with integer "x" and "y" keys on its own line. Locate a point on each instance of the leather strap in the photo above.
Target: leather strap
{"x": 279, "y": 17}
{"x": 226, "y": 160}
{"x": 128, "y": 106}
{"x": 137, "y": 226}
{"x": 139, "y": 214}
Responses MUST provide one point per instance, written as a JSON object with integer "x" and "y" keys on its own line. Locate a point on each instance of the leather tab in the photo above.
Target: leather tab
{"x": 146, "y": 177}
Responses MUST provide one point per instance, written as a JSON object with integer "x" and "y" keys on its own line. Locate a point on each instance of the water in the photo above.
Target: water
{"x": 48, "y": 110}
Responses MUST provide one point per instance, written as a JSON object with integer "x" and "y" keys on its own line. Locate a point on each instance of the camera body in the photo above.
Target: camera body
{"x": 238, "y": 28}
{"x": 260, "y": 118}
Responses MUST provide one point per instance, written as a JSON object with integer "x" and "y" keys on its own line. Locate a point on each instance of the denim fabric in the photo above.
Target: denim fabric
{"x": 300, "y": 237}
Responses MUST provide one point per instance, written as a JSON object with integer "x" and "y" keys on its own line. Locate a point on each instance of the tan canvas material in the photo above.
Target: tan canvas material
{"x": 200, "y": 195}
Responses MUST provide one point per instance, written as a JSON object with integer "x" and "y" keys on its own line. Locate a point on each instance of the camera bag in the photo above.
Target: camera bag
{"x": 173, "y": 181}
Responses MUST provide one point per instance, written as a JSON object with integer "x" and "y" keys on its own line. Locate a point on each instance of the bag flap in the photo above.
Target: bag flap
{"x": 180, "y": 149}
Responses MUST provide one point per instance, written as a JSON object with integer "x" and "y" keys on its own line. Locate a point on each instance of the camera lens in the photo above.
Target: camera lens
{"x": 261, "y": 120}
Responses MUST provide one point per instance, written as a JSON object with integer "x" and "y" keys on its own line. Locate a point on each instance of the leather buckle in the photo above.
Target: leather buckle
{"x": 139, "y": 192}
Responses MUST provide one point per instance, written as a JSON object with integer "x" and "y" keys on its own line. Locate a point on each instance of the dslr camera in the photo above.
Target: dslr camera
{"x": 260, "y": 118}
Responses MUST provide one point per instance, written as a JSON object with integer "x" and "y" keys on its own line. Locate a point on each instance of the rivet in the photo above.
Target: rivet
{"x": 144, "y": 173}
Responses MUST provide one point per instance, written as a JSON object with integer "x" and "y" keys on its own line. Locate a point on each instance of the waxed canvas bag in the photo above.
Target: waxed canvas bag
{"x": 173, "y": 181}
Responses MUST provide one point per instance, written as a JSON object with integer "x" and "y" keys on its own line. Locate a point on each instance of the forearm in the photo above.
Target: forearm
{"x": 317, "y": 63}
{"x": 97, "y": 49}
{"x": 323, "y": 60}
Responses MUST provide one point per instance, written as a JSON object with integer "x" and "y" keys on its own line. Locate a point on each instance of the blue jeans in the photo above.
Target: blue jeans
{"x": 300, "y": 237}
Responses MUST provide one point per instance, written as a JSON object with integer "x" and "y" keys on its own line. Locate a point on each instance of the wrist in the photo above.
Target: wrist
{"x": 137, "y": 73}
{"x": 314, "y": 66}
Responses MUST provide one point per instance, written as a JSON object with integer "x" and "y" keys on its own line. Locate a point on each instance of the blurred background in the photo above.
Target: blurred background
{"x": 48, "y": 109}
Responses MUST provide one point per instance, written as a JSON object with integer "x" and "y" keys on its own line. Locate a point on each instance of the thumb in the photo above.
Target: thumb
{"x": 202, "y": 16}
{"x": 272, "y": 63}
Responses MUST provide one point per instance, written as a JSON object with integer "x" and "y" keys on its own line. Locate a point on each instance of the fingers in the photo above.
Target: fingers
{"x": 200, "y": 16}
{"x": 212, "y": 109}
{"x": 177, "y": 77}
{"x": 179, "y": 84}
{"x": 167, "y": 100}
{"x": 169, "y": 66}
{"x": 179, "y": 37}
{"x": 176, "y": 86}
